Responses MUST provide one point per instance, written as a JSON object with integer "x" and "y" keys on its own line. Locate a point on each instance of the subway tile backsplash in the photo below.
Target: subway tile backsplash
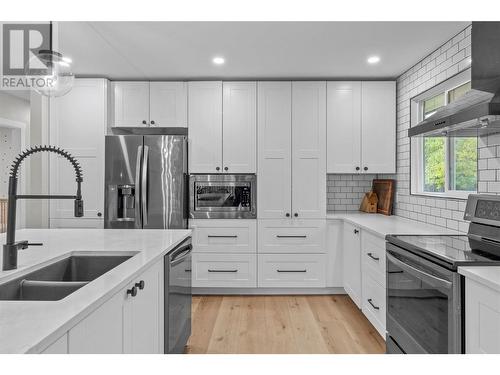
{"x": 344, "y": 192}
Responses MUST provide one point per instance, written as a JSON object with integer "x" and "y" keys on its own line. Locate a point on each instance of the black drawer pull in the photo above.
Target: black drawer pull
{"x": 291, "y": 271}
{"x": 223, "y": 271}
{"x": 371, "y": 303}
{"x": 283, "y": 236}
{"x": 214, "y": 236}
{"x": 187, "y": 270}
{"x": 373, "y": 257}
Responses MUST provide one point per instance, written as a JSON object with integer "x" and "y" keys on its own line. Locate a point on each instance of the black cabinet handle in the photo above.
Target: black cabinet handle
{"x": 291, "y": 271}
{"x": 287, "y": 214}
{"x": 144, "y": 122}
{"x": 371, "y": 303}
{"x": 296, "y": 214}
{"x": 217, "y": 168}
{"x": 214, "y": 236}
{"x": 187, "y": 270}
{"x": 357, "y": 168}
{"x": 285, "y": 236}
{"x": 365, "y": 168}
{"x": 140, "y": 284}
{"x": 226, "y": 168}
{"x": 99, "y": 214}
{"x": 373, "y": 257}
{"x": 223, "y": 271}
{"x": 356, "y": 231}
{"x": 152, "y": 122}
{"x": 132, "y": 291}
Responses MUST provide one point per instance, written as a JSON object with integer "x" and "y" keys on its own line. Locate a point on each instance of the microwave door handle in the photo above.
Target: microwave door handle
{"x": 430, "y": 279}
{"x": 144, "y": 186}
{"x": 137, "y": 193}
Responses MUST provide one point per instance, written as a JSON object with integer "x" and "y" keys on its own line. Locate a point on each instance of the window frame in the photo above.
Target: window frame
{"x": 417, "y": 144}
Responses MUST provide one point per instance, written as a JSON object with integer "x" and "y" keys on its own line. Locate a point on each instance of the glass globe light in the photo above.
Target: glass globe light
{"x": 59, "y": 78}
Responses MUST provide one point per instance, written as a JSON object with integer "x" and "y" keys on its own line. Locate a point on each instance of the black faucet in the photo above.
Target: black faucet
{"x": 11, "y": 247}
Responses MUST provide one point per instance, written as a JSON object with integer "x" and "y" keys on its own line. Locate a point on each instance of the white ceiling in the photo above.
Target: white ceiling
{"x": 184, "y": 50}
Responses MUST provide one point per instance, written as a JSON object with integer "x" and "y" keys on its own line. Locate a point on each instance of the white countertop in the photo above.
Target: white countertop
{"x": 383, "y": 225}
{"x": 29, "y": 326}
{"x": 489, "y": 276}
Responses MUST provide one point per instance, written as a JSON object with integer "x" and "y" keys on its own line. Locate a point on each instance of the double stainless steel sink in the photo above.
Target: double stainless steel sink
{"x": 61, "y": 278}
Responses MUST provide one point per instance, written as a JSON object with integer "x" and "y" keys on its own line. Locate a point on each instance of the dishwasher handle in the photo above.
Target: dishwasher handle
{"x": 180, "y": 254}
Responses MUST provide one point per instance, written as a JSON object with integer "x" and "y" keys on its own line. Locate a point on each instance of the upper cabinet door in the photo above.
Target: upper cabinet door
{"x": 205, "y": 126}
{"x": 344, "y": 127}
{"x": 309, "y": 149}
{"x": 379, "y": 127}
{"x": 168, "y": 104}
{"x": 78, "y": 125}
{"x": 274, "y": 149}
{"x": 131, "y": 103}
{"x": 239, "y": 127}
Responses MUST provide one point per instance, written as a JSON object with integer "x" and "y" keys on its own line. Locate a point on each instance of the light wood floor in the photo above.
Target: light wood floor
{"x": 280, "y": 324}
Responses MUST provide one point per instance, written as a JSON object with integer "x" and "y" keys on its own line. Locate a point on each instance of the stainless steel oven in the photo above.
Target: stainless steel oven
{"x": 223, "y": 196}
{"x": 424, "y": 312}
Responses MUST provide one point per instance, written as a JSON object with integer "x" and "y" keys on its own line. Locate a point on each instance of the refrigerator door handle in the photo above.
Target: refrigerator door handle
{"x": 138, "y": 187}
{"x": 144, "y": 186}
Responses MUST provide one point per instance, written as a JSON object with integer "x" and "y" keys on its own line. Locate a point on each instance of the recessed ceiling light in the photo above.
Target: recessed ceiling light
{"x": 373, "y": 59}
{"x": 218, "y": 60}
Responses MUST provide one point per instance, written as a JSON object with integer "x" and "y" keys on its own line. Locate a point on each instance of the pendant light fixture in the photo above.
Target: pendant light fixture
{"x": 59, "y": 78}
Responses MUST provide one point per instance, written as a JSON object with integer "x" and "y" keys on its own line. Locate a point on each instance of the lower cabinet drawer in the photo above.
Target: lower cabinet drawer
{"x": 373, "y": 256}
{"x": 218, "y": 236}
{"x": 292, "y": 236}
{"x": 374, "y": 302}
{"x": 224, "y": 270}
{"x": 292, "y": 270}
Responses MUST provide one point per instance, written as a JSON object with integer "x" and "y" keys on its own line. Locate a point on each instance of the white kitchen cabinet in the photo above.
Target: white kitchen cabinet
{"x": 344, "y": 127}
{"x": 309, "y": 149}
{"x": 168, "y": 104}
{"x": 292, "y": 236}
{"x": 101, "y": 332}
{"x": 239, "y": 136}
{"x": 60, "y": 346}
{"x": 142, "y": 314}
{"x": 274, "y": 149}
{"x": 213, "y": 270}
{"x": 130, "y": 103}
{"x": 482, "y": 319}
{"x": 292, "y": 270}
{"x": 334, "y": 245}
{"x": 352, "y": 262}
{"x": 291, "y": 142}
{"x": 361, "y": 127}
{"x": 205, "y": 126}
{"x": 149, "y": 104}
{"x": 225, "y": 235}
{"x": 125, "y": 323}
{"x": 78, "y": 125}
{"x": 378, "y": 118}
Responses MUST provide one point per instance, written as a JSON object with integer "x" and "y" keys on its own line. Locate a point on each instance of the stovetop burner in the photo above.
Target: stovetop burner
{"x": 453, "y": 250}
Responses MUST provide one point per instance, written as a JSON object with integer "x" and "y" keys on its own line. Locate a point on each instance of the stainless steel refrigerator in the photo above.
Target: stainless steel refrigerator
{"x": 146, "y": 182}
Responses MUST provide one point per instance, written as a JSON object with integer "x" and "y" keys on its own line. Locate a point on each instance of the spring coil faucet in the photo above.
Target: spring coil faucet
{"x": 11, "y": 247}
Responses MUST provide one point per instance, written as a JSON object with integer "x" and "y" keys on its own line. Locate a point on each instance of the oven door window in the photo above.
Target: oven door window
{"x": 222, "y": 197}
{"x": 418, "y": 308}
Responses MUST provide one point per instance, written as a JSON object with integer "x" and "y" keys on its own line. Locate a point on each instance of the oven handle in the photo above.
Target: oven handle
{"x": 433, "y": 280}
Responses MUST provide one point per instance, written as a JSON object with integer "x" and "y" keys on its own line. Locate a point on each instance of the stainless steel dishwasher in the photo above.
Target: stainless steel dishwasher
{"x": 178, "y": 297}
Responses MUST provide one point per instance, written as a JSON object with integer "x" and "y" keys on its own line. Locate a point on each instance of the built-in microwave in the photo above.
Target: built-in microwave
{"x": 223, "y": 196}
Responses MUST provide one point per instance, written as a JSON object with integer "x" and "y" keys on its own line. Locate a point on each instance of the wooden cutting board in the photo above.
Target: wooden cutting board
{"x": 384, "y": 188}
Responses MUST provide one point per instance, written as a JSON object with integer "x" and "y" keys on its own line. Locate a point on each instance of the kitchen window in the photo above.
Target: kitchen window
{"x": 442, "y": 166}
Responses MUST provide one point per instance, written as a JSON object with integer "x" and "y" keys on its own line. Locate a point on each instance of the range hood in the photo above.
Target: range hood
{"x": 478, "y": 111}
